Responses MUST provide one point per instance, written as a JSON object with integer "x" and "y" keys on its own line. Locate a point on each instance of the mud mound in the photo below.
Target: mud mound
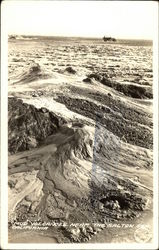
{"x": 80, "y": 142}
{"x": 52, "y": 190}
{"x": 87, "y": 80}
{"x": 135, "y": 91}
{"x": 66, "y": 180}
{"x": 34, "y": 72}
{"x": 70, "y": 70}
{"x": 28, "y": 126}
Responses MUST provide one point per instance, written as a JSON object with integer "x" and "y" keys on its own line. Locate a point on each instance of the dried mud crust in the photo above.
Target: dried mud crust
{"x": 113, "y": 206}
{"x": 91, "y": 216}
{"x": 130, "y": 129}
{"x": 28, "y": 126}
{"x": 128, "y": 112}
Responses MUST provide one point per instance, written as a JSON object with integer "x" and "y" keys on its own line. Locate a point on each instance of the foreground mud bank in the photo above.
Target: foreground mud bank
{"x": 75, "y": 173}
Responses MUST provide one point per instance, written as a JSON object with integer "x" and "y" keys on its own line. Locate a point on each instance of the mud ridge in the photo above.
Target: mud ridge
{"x": 135, "y": 91}
{"x": 129, "y": 130}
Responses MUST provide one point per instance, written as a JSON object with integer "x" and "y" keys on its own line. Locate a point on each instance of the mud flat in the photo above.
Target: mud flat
{"x": 80, "y": 154}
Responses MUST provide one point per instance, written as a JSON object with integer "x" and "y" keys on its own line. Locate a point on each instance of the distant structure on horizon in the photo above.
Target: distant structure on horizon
{"x": 111, "y": 39}
{"x": 12, "y": 36}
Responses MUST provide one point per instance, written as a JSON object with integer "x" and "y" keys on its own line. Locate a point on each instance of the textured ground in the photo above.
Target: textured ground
{"x": 80, "y": 143}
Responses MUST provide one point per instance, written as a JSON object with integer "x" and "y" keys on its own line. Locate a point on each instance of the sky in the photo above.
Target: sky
{"x": 119, "y": 19}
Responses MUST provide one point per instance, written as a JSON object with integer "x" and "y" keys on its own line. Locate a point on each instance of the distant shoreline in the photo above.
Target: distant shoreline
{"x": 133, "y": 42}
{"x": 78, "y": 37}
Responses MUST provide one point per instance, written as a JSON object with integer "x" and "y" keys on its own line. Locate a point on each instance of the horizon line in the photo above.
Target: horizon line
{"x": 85, "y": 37}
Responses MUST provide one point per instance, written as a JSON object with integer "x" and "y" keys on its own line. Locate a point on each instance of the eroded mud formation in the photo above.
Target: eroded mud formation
{"x": 28, "y": 126}
{"x": 80, "y": 139}
{"x": 135, "y": 91}
{"x": 71, "y": 173}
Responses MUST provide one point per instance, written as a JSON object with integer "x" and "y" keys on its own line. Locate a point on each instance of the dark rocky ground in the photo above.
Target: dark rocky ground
{"x": 126, "y": 122}
{"x": 28, "y": 126}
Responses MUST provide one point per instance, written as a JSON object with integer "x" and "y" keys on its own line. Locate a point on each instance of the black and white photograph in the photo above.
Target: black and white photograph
{"x": 78, "y": 125}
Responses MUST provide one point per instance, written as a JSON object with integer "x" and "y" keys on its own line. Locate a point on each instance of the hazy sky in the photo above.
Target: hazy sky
{"x": 120, "y": 19}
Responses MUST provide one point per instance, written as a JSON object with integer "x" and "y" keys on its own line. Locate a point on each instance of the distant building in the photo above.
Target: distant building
{"x": 12, "y": 36}
{"x": 111, "y": 39}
